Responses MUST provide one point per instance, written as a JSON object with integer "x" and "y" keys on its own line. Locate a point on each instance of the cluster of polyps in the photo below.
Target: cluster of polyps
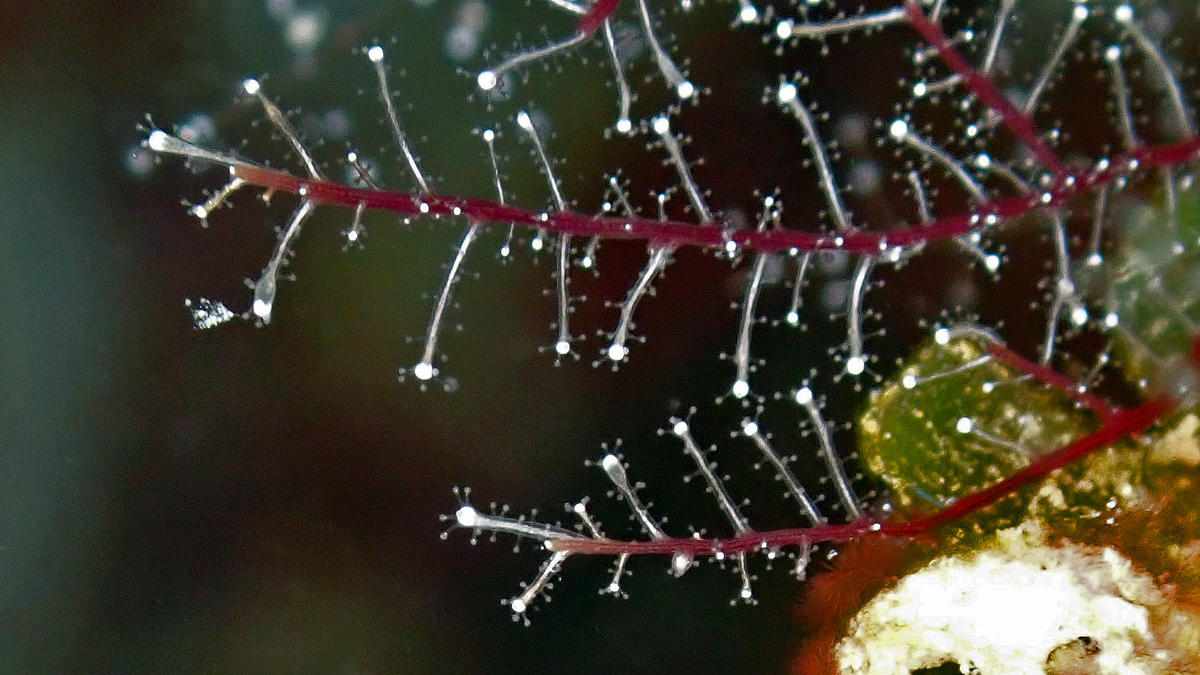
{"x": 1035, "y": 180}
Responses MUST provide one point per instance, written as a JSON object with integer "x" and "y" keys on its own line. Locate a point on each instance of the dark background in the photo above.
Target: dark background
{"x": 266, "y": 499}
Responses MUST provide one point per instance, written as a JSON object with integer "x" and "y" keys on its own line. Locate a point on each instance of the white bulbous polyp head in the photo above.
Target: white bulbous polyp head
{"x": 617, "y": 352}
{"x": 855, "y": 365}
{"x": 740, "y": 389}
{"x": 562, "y": 347}
{"x": 787, "y": 92}
{"x": 524, "y": 121}
{"x": 680, "y": 428}
{"x": 158, "y": 140}
{"x": 424, "y": 371}
{"x": 898, "y": 129}
{"x": 466, "y": 516}
{"x": 804, "y": 396}
{"x": 487, "y": 80}
{"x": 610, "y": 462}
{"x": 251, "y": 86}
{"x": 262, "y": 309}
{"x": 375, "y": 54}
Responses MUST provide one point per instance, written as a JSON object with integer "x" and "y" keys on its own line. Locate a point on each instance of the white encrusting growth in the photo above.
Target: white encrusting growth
{"x": 375, "y": 56}
{"x": 837, "y": 473}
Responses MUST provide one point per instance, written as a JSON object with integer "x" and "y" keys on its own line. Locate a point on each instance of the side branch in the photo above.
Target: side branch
{"x": 983, "y": 87}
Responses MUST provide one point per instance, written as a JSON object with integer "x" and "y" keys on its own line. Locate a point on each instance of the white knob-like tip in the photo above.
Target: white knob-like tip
{"x": 487, "y": 80}
{"x": 617, "y": 352}
{"x": 680, "y": 428}
{"x": 740, "y": 389}
{"x": 466, "y": 516}
{"x": 262, "y": 309}
{"x": 375, "y": 54}
{"x": 660, "y": 125}
{"x": 610, "y": 462}
{"x": 855, "y": 365}
{"x": 517, "y": 605}
{"x": 898, "y": 129}
{"x": 787, "y": 92}
{"x": 157, "y": 140}
{"x": 685, "y": 89}
{"x": 624, "y": 125}
{"x": 804, "y": 396}
{"x": 562, "y": 347}
{"x": 424, "y": 371}
{"x": 524, "y": 121}
{"x": 251, "y": 86}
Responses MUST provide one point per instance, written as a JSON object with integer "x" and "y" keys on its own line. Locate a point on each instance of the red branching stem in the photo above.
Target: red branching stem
{"x": 596, "y": 15}
{"x": 1051, "y": 377}
{"x": 678, "y": 233}
{"x": 1019, "y": 123}
{"x": 1121, "y": 423}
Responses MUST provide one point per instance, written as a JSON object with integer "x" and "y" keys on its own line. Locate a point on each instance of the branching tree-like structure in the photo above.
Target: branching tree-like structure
{"x": 1002, "y": 158}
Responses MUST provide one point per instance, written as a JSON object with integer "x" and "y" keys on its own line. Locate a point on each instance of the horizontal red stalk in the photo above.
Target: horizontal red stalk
{"x": 677, "y": 233}
{"x": 1120, "y": 424}
{"x": 1051, "y": 377}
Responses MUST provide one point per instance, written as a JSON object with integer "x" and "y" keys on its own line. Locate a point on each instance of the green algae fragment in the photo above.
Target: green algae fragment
{"x": 955, "y": 421}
